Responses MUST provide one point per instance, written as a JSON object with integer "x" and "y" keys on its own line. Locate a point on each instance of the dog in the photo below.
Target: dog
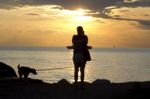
{"x": 25, "y": 71}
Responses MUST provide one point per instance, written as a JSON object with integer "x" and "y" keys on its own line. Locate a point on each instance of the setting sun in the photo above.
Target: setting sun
{"x": 77, "y": 15}
{"x": 82, "y": 18}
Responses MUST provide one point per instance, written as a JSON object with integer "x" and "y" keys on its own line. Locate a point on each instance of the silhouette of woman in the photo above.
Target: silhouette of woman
{"x": 80, "y": 54}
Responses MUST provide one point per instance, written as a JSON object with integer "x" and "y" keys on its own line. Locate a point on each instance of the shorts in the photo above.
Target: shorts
{"x": 78, "y": 57}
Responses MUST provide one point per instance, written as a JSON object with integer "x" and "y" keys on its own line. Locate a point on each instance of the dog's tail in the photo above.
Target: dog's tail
{"x": 18, "y": 66}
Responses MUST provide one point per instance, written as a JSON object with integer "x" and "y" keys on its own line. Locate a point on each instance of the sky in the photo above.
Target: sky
{"x": 52, "y": 23}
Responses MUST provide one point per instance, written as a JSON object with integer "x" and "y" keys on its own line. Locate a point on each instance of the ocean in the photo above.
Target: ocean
{"x": 54, "y": 64}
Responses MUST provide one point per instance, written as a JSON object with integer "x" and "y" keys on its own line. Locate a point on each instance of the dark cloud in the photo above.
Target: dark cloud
{"x": 138, "y": 3}
{"x": 146, "y": 15}
{"x": 144, "y": 24}
{"x": 32, "y": 14}
{"x": 7, "y": 4}
{"x": 68, "y": 4}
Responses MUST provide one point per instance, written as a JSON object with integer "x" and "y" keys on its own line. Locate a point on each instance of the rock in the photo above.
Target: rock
{"x": 63, "y": 82}
{"x": 101, "y": 82}
{"x": 6, "y": 71}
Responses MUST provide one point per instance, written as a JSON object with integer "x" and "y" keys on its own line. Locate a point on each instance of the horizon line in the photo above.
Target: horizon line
{"x": 21, "y": 47}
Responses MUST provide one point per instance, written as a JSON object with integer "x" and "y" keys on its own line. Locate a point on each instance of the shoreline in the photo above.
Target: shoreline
{"x": 99, "y": 89}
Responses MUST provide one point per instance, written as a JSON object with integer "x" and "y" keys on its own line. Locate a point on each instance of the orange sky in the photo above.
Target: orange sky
{"x": 47, "y": 27}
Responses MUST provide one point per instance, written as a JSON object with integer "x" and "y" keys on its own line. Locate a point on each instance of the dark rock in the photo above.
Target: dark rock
{"x": 63, "y": 82}
{"x": 101, "y": 82}
{"x": 6, "y": 71}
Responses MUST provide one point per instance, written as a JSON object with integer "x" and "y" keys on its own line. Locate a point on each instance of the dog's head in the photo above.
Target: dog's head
{"x": 34, "y": 71}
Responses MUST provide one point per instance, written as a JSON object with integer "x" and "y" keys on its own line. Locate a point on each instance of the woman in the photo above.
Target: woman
{"x": 80, "y": 54}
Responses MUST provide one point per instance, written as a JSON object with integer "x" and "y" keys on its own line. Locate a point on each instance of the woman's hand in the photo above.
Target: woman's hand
{"x": 89, "y": 47}
{"x": 69, "y": 47}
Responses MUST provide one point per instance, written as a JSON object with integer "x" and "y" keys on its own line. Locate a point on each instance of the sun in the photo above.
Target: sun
{"x": 81, "y": 16}
{"x": 78, "y": 15}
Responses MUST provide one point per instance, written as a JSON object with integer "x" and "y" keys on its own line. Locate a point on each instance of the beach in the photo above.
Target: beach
{"x": 99, "y": 89}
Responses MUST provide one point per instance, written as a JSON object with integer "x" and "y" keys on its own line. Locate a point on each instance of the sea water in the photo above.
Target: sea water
{"x": 54, "y": 64}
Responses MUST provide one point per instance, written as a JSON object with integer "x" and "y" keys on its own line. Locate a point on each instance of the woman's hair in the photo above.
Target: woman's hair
{"x": 80, "y": 30}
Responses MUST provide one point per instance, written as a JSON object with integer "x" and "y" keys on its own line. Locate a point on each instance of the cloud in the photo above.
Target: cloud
{"x": 67, "y": 4}
{"x": 32, "y": 14}
{"x": 94, "y": 5}
{"x": 99, "y": 8}
{"x": 144, "y": 24}
{"x": 137, "y": 3}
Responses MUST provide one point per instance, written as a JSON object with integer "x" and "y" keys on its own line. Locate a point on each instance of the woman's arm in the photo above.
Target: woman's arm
{"x": 86, "y": 40}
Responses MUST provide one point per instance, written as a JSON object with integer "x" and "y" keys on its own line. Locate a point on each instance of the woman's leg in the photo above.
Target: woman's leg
{"x": 76, "y": 70}
{"x": 82, "y": 70}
